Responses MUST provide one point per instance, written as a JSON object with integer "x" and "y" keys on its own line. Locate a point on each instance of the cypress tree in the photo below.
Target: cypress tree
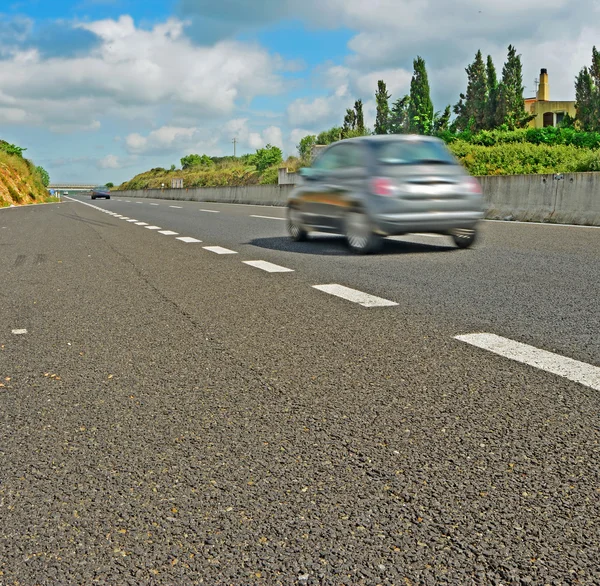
{"x": 442, "y": 121}
{"x": 471, "y": 108}
{"x": 349, "y": 122}
{"x": 492, "y": 95}
{"x": 420, "y": 107}
{"x": 511, "y": 104}
{"x": 587, "y": 95}
{"x": 398, "y": 123}
{"x": 584, "y": 100}
{"x": 383, "y": 108}
{"x": 359, "y": 118}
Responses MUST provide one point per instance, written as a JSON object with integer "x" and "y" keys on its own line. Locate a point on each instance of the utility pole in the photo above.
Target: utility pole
{"x": 234, "y": 141}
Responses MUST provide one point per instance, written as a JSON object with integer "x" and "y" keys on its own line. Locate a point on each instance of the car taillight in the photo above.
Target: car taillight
{"x": 382, "y": 186}
{"x": 471, "y": 185}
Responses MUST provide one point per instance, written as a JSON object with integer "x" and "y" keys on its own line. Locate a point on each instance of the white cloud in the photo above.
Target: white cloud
{"x": 12, "y": 115}
{"x": 205, "y": 140}
{"x": 166, "y": 139}
{"x": 134, "y": 68}
{"x": 273, "y": 136}
{"x": 114, "y": 162}
{"x": 109, "y": 162}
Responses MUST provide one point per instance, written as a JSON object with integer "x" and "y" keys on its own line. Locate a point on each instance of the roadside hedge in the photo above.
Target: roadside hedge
{"x": 524, "y": 158}
{"x": 550, "y": 136}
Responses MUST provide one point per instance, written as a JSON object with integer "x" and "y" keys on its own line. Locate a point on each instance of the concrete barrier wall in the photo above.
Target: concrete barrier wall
{"x": 571, "y": 198}
{"x": 271, "y": 195}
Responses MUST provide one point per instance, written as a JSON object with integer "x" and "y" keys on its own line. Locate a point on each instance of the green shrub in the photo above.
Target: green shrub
{"x": 270, "y": 176}
{"x": 11, "y": 149}
{"x": 518, "y": 159}
{"x": 44, "y": 176}
{"x": 267, "y": 157}
{"x": 590, "y": 162}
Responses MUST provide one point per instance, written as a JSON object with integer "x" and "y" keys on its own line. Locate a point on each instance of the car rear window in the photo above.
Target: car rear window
{"x": 414, "y": 152}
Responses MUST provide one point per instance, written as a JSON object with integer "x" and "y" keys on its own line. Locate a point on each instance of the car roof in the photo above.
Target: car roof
{"x": 382, "y": 138}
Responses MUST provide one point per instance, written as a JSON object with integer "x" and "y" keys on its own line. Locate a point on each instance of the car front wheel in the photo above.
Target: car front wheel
{"x": 295, "y": 229}
{"x": 463, "y": 237}
{"x": 359, "y": 233}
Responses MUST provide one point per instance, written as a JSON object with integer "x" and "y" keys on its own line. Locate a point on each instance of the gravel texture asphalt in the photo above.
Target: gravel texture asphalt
{"x": 173, "y": 416}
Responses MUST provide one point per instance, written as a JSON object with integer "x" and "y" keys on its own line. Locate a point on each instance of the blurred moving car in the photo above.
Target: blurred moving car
{"x": 375, "y": 186}
{"x": 101, "y": 191}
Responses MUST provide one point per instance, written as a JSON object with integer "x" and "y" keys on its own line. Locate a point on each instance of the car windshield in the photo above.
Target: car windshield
{"x": 414, "y": 152}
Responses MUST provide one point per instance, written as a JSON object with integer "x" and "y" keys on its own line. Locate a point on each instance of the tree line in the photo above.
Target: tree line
{"x": 488, "y": 103}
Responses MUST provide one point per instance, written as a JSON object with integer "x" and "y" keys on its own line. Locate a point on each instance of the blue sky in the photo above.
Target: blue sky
{"x": 99, "y": 90}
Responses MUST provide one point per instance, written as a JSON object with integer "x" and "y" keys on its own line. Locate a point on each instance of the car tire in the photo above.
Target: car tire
{"x": 108, "y": 197}
{"x": 93, "y": 197}
{"x": 295, "y": 229}
{"x": 359, "y": 233}
{"x": 464, "y": 237}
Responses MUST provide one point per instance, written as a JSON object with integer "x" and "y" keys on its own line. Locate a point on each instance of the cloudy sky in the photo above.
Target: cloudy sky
{"x": 99, "y": 90}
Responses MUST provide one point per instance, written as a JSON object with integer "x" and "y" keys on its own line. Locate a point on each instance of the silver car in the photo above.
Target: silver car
{"x": 386, "y": 185}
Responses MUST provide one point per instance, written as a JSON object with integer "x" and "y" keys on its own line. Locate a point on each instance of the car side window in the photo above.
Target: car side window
{"x": 352, "y": 156}
{"x": 330, "y": 159}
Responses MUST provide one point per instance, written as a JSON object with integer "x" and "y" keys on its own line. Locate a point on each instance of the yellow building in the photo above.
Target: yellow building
{"x": 546, "y": 111}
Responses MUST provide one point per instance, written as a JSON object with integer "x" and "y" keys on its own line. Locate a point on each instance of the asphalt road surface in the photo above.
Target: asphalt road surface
{"x": 192, "y": 398}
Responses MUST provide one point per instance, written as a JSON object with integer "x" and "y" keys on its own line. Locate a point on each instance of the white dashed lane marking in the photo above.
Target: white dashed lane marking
{"x": 188, "y": 239}
{"x": 267, "y": 266}
{"x": 141, "y": 223}
{"x": 152, "y": 227}
{"x": 168, "y": 233}
{"x": 211, "y": 211}
{"x": 219, "y": 250}
{"x": 267, "y": 217}
{"x": 19, "y": 332}
{"x": 132, "y": 220}
{"x": 576, "y": 371}
{"x": 177, "y": 207}
{"x": 154, "y": 204}
{"x": 355, "y": 296}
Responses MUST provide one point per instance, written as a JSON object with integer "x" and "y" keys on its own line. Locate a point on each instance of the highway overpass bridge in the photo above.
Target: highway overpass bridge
{"x": 71, "y": 186}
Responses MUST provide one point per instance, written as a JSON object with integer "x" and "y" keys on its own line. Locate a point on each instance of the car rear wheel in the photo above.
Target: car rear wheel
{"x": 295, "y": 229}
{"x": 359, "y": 233}
{"x": 93, "y": 197}
{"x": 463, "y": 237}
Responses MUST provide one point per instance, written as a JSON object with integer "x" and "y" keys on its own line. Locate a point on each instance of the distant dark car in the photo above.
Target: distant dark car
{"x": 371, "y": 187}
{"x": 101, "y": 191}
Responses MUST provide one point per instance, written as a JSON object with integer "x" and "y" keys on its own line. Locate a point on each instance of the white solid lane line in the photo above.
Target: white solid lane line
{"x": 355, "y": 296}
{"x": 267, "y": 266}
{"x": 211, "y": 211}
{"x": 219, "y": 250}
{"x": 168, "y": 233}
{"x": 576, "y": 371}
{"x": 188, "y": 239}
{"x": 141, "y": 223}
{"x": 267, "y": 217}
{"x": 152, "y": 227}
{"x": 177, "y": 207}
